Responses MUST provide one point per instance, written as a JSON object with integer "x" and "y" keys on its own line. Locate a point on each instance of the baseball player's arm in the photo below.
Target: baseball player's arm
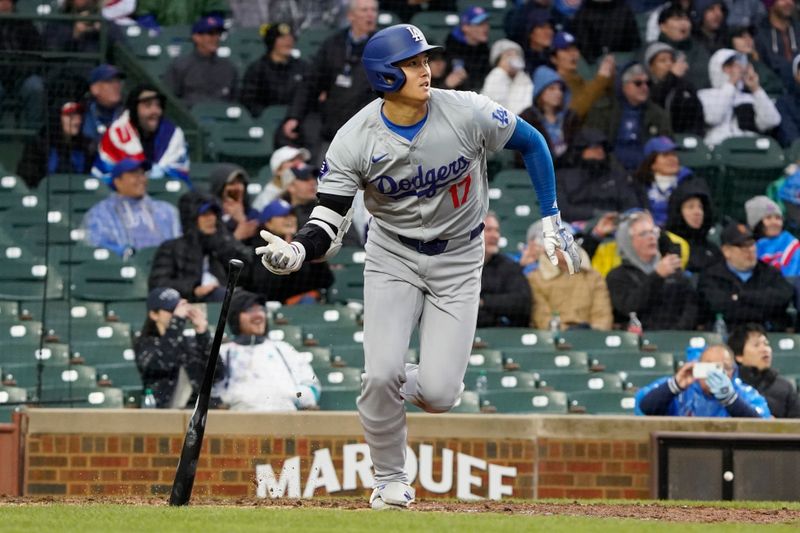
{"x": 533, "y": 148}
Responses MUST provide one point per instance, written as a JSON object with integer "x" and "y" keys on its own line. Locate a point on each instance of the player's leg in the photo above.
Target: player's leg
{"x": 392, "y": 307}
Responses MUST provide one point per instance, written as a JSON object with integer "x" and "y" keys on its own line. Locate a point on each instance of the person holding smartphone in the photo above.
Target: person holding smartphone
{"x": 708, "y": 387}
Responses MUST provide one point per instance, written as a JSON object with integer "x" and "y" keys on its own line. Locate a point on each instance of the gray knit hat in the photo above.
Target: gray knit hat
{"x": 654, "y": 49}
{"x": 758, "y": 207}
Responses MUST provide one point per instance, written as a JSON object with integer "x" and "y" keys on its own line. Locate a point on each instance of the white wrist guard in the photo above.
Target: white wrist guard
{"x": 325, "y": 217}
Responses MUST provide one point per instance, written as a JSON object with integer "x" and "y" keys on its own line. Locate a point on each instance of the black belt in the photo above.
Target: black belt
{"x": 436, "y": 246}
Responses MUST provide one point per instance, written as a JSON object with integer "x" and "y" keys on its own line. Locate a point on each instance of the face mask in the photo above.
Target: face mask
{"x": 516, "y": 63}
{"x": 595, "y": 167}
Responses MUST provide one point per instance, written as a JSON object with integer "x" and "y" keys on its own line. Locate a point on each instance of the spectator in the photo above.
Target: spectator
{"x": 507, "y": 83}
{"x": 752, "y": 351}
{"x": 647, "y": 283}
{"x": 690, "y": 216}
{"x": 518, "y": 20}
{"x": 746, "y": 13}
{"x": 261, "y": 374}
{"x": 550, "y": 113}
{"x": 741, "y": 40}
{"x": 303, "y": 286}
{"x": 81, "y": 35}
{"x": 742, "y": 288}
{"x": 721, "y": 394}
{"x": 155, "y": 13}
{"x": 467, "y": 51}
{"x": 565, "y": 57}
{"x": 144, "y": 134}
{"x": 652, "y": 29}
{"x": 659, "y": 174}
{"x": 581, "y": 300}
{"x": 540, "y": 41}
{"x": 172, "y": 364}
{"x": 710, "y": 30}
{"x": 228, "y": 183}
{"x": 405, "y": 9}
{"x": 338, "y": 74}
{"x": 505, "y": 299}
{"x": 528, "y": 257}
{"x": 196, "y": 263}
{"x": 602, "y": 26}
{"x": 280, "y": 163}
{"x": 128, "y": 219}
{"x": 302, "y": 15}
{"x": 594, "y": 184}
{"x": 119, "y": 12}
{"x": 275, "y": 77}
{"x": 788, "y": 106}
{"x": 671, "y": 90}
{"x": 203, "y": 76}
{"x": 778, "y": 38}
{"x": 675, "y": 29}
{"x": 774, "y": 245}
{"x": 629, "y": 119}
{"x": 59, "y": 149}
{"x": 729, "y": 109}
{"x": 104, "y": 102}
{"x": 16, "y": 77}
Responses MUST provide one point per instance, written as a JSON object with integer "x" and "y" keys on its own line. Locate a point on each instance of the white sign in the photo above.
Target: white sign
{"x": 458, "y": 469}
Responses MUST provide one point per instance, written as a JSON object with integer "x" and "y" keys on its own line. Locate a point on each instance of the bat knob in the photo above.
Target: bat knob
{"x": 235, "y": 265}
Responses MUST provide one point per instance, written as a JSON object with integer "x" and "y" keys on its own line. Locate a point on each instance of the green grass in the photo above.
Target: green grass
{"x": 129, "y": 518}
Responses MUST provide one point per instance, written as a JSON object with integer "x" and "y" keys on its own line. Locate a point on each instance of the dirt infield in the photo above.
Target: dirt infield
{"x": 638, "y": 511}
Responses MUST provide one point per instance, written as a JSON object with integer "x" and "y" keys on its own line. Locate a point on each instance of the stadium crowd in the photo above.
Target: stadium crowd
{"x": 609, "y": 99}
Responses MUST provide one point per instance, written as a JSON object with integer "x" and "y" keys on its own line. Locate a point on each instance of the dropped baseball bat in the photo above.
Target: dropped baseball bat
{"x": 193, "y": 441}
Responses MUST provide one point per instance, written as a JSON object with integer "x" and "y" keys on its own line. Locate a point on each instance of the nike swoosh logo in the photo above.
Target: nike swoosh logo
{"x": 376, "y": 159}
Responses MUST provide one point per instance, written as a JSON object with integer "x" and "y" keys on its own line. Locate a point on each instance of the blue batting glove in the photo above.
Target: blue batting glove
{"x": 721, "y": 387}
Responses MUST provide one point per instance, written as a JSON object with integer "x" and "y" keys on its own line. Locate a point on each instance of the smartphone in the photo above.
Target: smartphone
{"x": 458, "y": 64}
{"x": 701, "y": 370}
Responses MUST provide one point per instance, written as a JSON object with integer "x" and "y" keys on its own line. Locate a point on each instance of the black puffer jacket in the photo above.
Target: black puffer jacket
{"x": 178, "y": 263}
{"x": 702, "y": 252}
{"x": 505, "y": 294}
{"x": 778, "y": 391}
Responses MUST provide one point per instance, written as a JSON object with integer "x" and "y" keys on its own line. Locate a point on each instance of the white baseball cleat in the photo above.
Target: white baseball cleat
{"x": 392, "y": 495}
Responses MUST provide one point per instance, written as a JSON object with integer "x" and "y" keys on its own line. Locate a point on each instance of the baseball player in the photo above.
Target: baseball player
{"x": 419, "y": 155}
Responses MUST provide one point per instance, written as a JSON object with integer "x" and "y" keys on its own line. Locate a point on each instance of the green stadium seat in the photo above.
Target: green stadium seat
{"x": 624, "y": 361}
{"x": 22, "y": 354}
{"x": 338, "y": 400}
{"x": 435, "y": 19}
{"x": 72, "y": 183}
{"x": 330, "y": 334}
{"x": 249, "y": 147}
{"x": 348, "y": 285}
{"x": 349, "y": 256}
{"x": 133, "y": 312}
{"x": 97, "y": 282}
{"x": 351, "y": 355}
{"x": 10, "y": 394}
{"x": 548, "y": 362}
{"x": 11, "y": 184}
{"x": 320, "y": 314}
{"x": 108, "y": 343}
{"x": 574, "y": 382}
{"x": 318, "y": 357}
{"x": 168, "y": 190}
{"x": 693, "y": 153}
{"x": 211, "y": 114}
{"x": 58, "y": 378}
{"x": 784, "y": 343}
{"x": 512, "y": 181}
{"x": 60, "y": 315}
{"x": 594, "y": 341}
{"x": 603, "y": 402}
{"x": 291, "y": 334}
{"x": 467, "y": 403}
{"x": 502, "y": 338}
{"x": 678, "y": 341}
{"x": 19, "y": 331}
{"x": 124, "y": 375}
{"x": 786, "y": 363}
{"x": 105, "y": 398}
{"x": 340, "y": 379}
{"x": 500, "y": 380}
{"x": 637, "y": 379}
{"x": 485, "y": 359}
{"x": 523, "y": 402}
{"x": 310, "y": 39}
{"x": 9, "y": 309}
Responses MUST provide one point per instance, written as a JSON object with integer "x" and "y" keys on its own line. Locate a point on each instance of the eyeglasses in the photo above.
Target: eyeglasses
{"x": 639, "y": 83}
{"x": 655, "y": 232}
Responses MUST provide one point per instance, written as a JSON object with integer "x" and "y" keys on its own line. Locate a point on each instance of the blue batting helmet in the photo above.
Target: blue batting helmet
{"x": 388, "y": 47}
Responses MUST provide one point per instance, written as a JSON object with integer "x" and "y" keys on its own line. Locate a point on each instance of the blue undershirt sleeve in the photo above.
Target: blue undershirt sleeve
{"x": 536, "y": 155}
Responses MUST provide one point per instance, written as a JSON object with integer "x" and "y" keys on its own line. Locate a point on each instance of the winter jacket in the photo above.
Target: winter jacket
{"x": 656, "y": 199}
{"x": 180, "y": 263}
{"x": 585, "y": 192}
{"x": 702, "y": 252}
{"x": 160, "y": 358}
{"x": 585, "y": 92}
{"x": 697, "y": 57}
{"x": 195, "y": 78}
{"x": 720, "y": 103}
{"x": 678, "y": 98}
{"x": 777, "y": 49}
{"x": 264, "y": 375}
{"x": 660, "y": 303}
{"x": 517, "y": 21}
{"x": 54, "y": 154}
{"x": 268, "y": 83}
{"x": 505, "y": 294}
{"x": 581, "y": 299}
{"x": 778, "y": 391}
{"x": 171, "y": 13}
{"x": 475, "y": 59}
{"x": 788, "y": 106}
{"x": 745, "y": 12}
{"x": 605, "y": 25}
{"x": 762, "y": 299}
{"x": 97, "y": 120}
{"x": 337, "y": 55}
{"x": 781, "y": 252}
{"x": 18, "y": 36}
{"x": 663, "y": 397}
{"x": 515, "y": 94}
{"x": 218, "y": 178}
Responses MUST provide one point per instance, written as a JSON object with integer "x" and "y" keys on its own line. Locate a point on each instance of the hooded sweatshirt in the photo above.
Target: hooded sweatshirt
{"x": 559, "y": 133}
{"x": 218, "y": 178}
{"x": 728, "y": 109}
{"x": 702, "y": 252}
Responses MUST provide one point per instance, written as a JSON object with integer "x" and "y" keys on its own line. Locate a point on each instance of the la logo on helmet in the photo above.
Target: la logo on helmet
{"x": 415, "y": 34}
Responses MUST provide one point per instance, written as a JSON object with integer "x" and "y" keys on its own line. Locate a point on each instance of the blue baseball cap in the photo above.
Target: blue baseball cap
{"x": 165, "y": 298}
{"x": 474, "y": 15}
{"x": 659, "y": 145}
{"x": 209, "y": 24}
{"x": 105, "y": 72}
{"x": 205, "y": 207}
{"x": 563, "y": 40}
{"x": 276, "y": 208}
{"x": 128, "y": 165}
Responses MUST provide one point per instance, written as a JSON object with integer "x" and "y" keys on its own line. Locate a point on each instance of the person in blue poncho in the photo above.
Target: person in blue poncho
{"x": 721, "y": 394}
{"x": 774, "y": 245}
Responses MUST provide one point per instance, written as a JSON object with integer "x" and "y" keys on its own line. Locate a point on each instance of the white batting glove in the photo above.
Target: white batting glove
{"x": 279, "y": 256}
{"x": 557, "y": 237}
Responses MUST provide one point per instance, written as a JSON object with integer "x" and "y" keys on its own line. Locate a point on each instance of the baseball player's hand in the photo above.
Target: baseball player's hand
{"x": 279, "y": 256}
{"x": 557, "y": 237}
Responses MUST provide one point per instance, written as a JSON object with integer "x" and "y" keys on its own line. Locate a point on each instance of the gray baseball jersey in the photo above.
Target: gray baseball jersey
{"x": 432, "y": 187}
